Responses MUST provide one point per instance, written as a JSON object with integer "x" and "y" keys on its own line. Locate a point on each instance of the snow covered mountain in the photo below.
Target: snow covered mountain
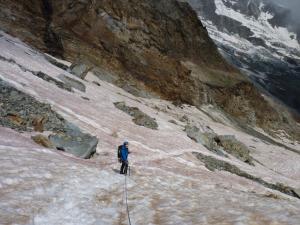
{"x": 256, "y": 36}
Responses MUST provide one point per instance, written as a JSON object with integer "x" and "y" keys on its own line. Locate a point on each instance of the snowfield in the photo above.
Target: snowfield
{"x": 168, "y": 184}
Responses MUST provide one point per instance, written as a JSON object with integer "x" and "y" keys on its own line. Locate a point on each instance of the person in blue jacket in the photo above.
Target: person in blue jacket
{"x": 124, "y": 158}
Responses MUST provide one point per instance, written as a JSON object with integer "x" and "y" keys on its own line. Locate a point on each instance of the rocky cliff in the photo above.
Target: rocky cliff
{"x": 141, "y": 40}
{"x": 157, "y": 46}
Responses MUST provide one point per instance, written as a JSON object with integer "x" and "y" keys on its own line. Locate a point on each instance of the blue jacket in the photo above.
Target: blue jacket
{"x": 124, "y": 153}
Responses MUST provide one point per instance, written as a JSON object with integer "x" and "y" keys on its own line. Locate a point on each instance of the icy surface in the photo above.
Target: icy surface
{"x": 168, "y": 185}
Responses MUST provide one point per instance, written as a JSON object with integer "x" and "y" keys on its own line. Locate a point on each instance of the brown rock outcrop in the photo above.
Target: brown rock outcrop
{"x": 141, "y": 40}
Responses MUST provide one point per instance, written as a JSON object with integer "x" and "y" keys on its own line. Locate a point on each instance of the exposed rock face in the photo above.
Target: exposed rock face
{"x": 245, "y": 103}
{"x": 206, "y": 139}
{"x": 80, "y": 69}
{"x": 139, "y": 118}
{"x": 49, "y": 79}
{"x": 220, "y": 144}
{"x": 213, "y": 164}
{"x": 53, "y": 61}
{"x": 297, "y": 192}
{"x": 234, "y": 147}
{"x": 22, "y": 112}
{"x": 72, "y": 82}
{"x": 159, "y": 46}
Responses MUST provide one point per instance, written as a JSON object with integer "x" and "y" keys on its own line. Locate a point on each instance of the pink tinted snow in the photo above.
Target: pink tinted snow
{"x": 168, "y": 184}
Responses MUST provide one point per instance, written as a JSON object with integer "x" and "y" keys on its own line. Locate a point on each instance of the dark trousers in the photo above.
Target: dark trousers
{"x": 124, "y": 167}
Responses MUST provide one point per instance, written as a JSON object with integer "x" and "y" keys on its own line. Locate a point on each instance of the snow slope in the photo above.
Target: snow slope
{"x": 168, "y": 184}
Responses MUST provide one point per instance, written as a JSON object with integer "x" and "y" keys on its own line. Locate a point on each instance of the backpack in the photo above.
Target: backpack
{"x": 119, "y": 153}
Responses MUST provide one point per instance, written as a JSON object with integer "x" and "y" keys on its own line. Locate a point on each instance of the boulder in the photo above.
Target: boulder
{"x": 54, "y": 62}
{"x": 219, "y": 143}
{"x": 184, "y": 119}
{"x": 140, "y": 118}
{"x": 297, "y": 191}
{"x": 206, "y": 139}
{"x": 72, "y": 82}
{"x": 75, "y": 142}
{"x": 173, "y": 121}
{"x": 51, "y": 80}
{"x": 79, "y": 69}
{"x": 234, "y": 147}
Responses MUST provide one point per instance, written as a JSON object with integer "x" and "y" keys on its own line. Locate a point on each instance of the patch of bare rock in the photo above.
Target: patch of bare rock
{"x": 220, "y": 144}
{"x": 140, "y": 118}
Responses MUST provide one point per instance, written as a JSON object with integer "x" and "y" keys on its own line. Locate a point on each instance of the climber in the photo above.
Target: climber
{"x": 123, "y": 157}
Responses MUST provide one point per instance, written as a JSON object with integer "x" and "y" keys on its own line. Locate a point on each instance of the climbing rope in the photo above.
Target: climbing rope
{"x": 126, "y": 200}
